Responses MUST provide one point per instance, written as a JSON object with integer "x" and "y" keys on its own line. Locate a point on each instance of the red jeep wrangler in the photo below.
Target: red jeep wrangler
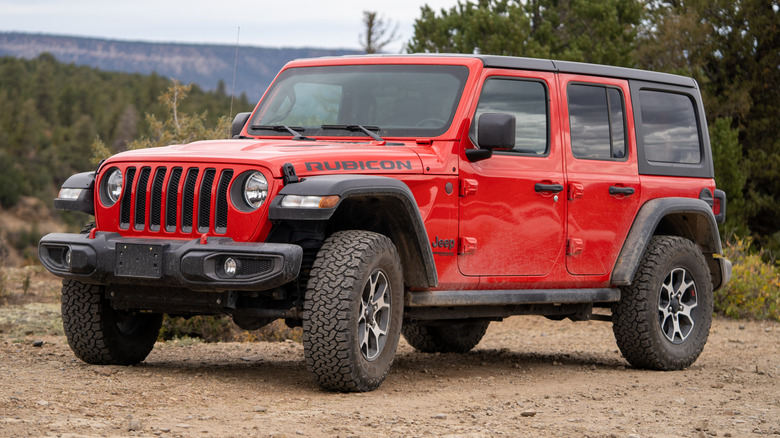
{"x": 369, "y": 197}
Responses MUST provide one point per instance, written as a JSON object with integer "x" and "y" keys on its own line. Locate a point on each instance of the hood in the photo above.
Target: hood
{"x": 308, "y": 157}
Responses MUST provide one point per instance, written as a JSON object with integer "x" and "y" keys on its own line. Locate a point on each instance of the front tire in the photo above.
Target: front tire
{"x": 353, "y": 311}
{"x": 663, "y": 319}
{"x": 101, "y": 335}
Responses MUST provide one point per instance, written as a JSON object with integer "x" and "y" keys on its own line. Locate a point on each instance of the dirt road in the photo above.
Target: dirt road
{"x": 528, "y": 377}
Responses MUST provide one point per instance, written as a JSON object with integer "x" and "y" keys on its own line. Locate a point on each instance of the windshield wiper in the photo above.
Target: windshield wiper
{"x": 281, "y": 128}
{"x": 365, "y": 129}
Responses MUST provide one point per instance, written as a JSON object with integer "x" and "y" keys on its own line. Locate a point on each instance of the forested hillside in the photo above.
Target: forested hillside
{"x": 202, "y": 64}
{"x": 51, "y": 113}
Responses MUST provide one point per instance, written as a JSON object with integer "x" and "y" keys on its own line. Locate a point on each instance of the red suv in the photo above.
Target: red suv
{"x": 369, "y": 197}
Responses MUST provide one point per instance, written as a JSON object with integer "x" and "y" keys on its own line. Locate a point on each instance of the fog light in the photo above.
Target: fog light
{"x": 67, "y": 258}
{"x": 230, "y": 266}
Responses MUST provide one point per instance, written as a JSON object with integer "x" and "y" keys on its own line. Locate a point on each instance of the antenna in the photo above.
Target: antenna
{"x": 233, "y": 91}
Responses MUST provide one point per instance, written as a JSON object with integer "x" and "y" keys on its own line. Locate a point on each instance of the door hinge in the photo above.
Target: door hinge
{"x": 468, "y": 187}
{"x": 467, "y": 245}
{"x": 575, "y": 191}
{"x": 573, "y": 246}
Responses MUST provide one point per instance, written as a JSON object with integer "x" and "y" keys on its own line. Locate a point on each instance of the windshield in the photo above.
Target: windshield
{"x": 390, "y": 100}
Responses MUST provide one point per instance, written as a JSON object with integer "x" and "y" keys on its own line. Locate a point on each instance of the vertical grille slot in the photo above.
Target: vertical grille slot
{"x": 188, "y": 200}
{"x": 172, "y": 200}
{"x": 140, "y": 198}
{"x": 127, "y": 194}
{"x": 204, "y": 203}
{"x": 155, "y": 209}
{"x": 220, "y": 222}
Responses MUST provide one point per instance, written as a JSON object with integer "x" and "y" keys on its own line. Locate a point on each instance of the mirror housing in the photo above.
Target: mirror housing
{"x": 495, "y": 131}
{"x": 238, "y": 124}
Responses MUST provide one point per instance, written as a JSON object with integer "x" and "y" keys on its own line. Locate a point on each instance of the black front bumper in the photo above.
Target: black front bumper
{"x": 192, "y": 264}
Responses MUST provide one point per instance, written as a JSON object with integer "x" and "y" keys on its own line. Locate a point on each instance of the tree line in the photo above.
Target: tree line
{"x": 51, "y": 114}
{"x": 731, "y": 47}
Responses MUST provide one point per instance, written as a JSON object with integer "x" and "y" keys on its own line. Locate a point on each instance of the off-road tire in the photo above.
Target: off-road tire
{"x": 458, "y": 337}
{"x": 645, "y": 331}
{"x": 101, "y": 335}
{"x": 334, "y": 308}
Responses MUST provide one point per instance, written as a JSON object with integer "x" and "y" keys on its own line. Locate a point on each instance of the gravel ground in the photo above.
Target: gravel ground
{"x": 528, "y": 377}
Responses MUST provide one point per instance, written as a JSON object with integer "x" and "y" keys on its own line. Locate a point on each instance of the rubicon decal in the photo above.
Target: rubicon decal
{"x": 359, "y": 165}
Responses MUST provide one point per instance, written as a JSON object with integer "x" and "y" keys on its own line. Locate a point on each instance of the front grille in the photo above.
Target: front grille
{"x": 156, "y": 211}
{"x": 140, "y": 199}
{"x": 188, "y": 200}
{"x": 204, "y": 208}
{"x": 173, "y": 200}
{"x": 222, "y": 201}
{"x": 185, "y": 200}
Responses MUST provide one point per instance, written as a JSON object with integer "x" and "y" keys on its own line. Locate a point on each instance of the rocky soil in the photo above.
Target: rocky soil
{"x": 528, "y": 377}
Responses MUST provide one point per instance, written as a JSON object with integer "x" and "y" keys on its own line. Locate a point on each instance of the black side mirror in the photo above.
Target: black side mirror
{"x": 495, "y": 131}
{"x": 238, "y": 124}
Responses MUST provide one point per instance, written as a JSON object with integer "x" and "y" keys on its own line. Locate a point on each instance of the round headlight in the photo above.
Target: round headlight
{"x": 255, "y": 189}
{"x": 114, "y": 186}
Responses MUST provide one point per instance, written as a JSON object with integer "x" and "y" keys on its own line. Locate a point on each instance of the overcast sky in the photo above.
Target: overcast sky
{"x": 279, "y": 23}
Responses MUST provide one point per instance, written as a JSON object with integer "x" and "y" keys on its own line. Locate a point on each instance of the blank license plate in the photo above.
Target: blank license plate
{"x": 137, "y": 260}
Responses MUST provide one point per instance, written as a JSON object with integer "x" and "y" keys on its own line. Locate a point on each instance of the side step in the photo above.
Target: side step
{"x": 506, "y": 297}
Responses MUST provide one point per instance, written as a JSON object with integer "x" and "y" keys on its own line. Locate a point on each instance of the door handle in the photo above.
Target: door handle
{"x": 627, "y": 191}
{"x": 554, "y": 188}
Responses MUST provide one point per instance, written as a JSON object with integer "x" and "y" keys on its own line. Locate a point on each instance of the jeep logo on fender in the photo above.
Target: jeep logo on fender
{"x": 359, "y": 165}
{"x": 443, "y": 243}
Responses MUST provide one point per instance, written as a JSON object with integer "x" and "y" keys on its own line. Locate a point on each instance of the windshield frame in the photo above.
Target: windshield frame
{"x": 412, "y": 89}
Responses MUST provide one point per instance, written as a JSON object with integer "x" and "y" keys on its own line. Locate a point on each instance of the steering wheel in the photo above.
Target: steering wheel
{"x": 432, "y": 122}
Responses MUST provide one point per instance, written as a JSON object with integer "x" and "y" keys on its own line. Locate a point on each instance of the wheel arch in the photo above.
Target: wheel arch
{"x": 685, "y": 217}
{"x": 372, "y": 203}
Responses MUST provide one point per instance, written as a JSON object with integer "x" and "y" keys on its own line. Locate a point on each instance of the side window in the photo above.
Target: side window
{"x": 597, "y": 122}
{"x": 669, "y": 128}
{"x": 527, "y": 101}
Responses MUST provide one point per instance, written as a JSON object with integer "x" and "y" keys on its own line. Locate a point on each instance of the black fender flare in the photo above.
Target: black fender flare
{"x": 703, "y": 231}
{"x": 85, "y": 202}
{"x": 354, "y": 186}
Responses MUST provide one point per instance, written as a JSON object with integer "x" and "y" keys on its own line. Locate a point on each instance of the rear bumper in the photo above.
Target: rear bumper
{"x": 193, "y": 264}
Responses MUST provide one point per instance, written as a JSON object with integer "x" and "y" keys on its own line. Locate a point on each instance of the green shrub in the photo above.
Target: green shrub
{"x": 222, "y": 329}
{"x": 754, "y": 290}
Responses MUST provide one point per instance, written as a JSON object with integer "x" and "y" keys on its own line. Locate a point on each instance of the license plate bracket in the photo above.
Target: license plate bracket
{"x": 139, "y": 260}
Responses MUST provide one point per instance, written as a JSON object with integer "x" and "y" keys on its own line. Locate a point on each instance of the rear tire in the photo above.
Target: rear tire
{"x": 663, "y": 319}
{"x": 353, "y": 311}
{"x": 101, "y": 335}
{"x": 459, "y": 337}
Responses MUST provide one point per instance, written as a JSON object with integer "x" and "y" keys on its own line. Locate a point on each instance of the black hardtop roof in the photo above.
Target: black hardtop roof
{"x": 581, "y": 68}
{"x": 585, "y": 69}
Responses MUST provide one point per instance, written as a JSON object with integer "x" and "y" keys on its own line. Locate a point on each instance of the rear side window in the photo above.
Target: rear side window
{"x": 597, "y": 122}
{"x": 670, "y": 129}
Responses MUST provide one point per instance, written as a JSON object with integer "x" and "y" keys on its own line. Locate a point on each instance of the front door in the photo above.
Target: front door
{"x": 512, "y": 205}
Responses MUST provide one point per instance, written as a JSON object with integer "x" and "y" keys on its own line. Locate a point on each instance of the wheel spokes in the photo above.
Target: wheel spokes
{"x": 676, "y": 303}
{"x": 374, "y": 317}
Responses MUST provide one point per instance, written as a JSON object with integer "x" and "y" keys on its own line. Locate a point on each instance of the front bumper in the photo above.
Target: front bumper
{"x": 193, "y": 264}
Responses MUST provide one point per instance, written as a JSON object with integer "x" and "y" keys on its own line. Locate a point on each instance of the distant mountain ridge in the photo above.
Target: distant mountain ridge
{"x": 203, "y": 64}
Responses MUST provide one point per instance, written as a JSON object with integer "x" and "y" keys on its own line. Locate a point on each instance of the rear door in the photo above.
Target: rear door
{"x": 601, "y": 168}
{"x": 512, "y": 205}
